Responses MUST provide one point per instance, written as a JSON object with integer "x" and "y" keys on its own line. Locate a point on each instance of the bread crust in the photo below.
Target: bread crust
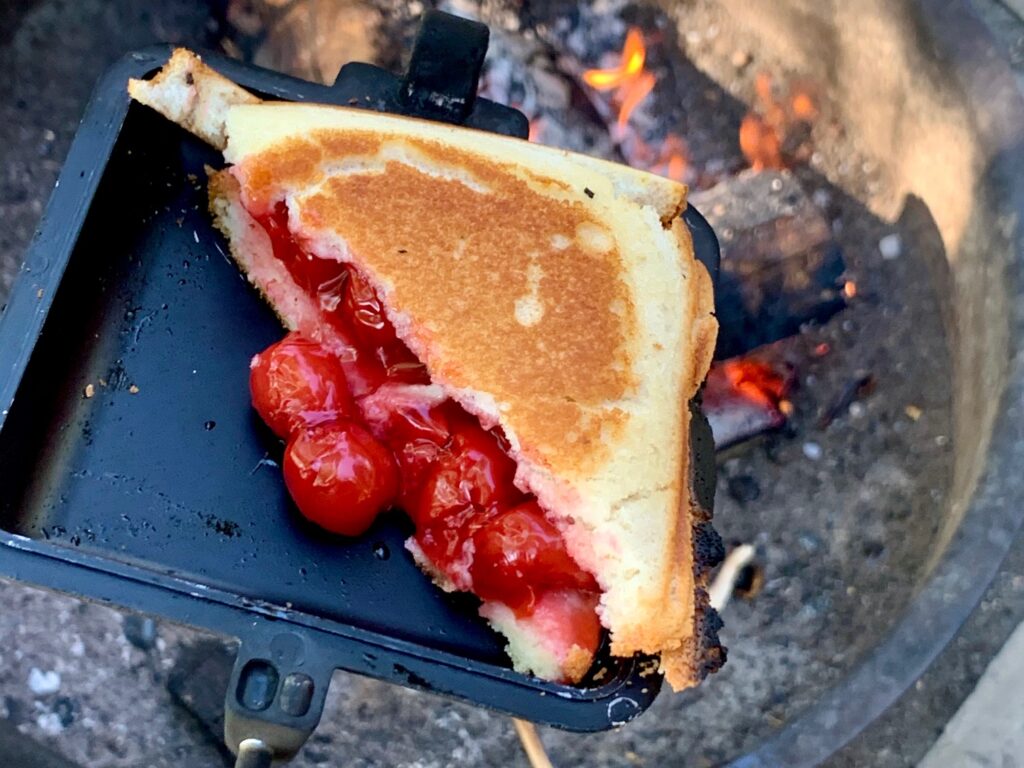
{"x": 624, "y": 336}
{"x": 191, "y": 94}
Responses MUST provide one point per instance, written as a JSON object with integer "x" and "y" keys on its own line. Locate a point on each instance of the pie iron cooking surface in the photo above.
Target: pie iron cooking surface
{"x": 134, "y": 472}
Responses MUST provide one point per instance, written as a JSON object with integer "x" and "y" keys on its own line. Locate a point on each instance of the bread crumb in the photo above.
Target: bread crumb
{"x": 133, "y": 389}
{"x": 650, "y": 667}
{"x": 913, "y": 412}
{"x": 90, "y": 390}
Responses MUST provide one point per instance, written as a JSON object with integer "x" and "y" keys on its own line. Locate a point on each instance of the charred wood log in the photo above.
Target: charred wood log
{"x": 781, "y": 267}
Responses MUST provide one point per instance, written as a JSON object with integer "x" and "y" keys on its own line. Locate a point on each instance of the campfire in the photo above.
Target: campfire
{"x": 628, "y": 80}
{"x": 781, "y": 267}
{"x": 627, "y": 84}
{"x": 745, "y": 396}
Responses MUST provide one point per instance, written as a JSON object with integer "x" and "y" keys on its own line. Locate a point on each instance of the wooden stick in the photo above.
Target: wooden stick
{"x": 721, "y": 588}
{"x": 532, "y": 745}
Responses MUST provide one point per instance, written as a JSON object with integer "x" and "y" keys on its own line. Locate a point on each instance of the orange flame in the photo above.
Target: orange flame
{"x": 761, "y": 131}
{"x": 632, "y": 84}
{"x": 764, "y": 129}
{"x": 760, "y": 143}
{"x": 633, "y": 94}
{"x": 535, "y": 129}
{"x": 676, "y": 167}
{"x": 673, "y": 158}
{"x": 631, "y": 63}
{"x": 629, "y": 80}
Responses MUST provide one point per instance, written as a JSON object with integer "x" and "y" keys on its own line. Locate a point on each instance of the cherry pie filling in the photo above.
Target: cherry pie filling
{"x": 364, "y": 432}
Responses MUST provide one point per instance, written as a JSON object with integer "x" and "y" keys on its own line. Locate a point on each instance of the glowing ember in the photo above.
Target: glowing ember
{"x": 755, "y": 380}
{"x": 803, "y": 106}
{"x": 744, "y": 397}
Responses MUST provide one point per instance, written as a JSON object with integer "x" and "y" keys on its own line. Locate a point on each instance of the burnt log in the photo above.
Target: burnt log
{"x": 781, "y": 267}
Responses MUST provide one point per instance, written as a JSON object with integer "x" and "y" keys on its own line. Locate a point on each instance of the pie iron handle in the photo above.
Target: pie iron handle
{"x": 275, "y": 697}
{"x": 444, "y": 69}
{"x": 705, "y": 243}
{"x": 254, "y": 753}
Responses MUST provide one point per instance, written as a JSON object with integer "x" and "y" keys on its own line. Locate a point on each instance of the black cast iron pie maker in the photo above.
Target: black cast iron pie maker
{"x": 134, "y": 472}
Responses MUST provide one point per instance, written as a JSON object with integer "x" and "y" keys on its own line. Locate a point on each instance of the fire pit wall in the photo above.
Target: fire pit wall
{"x": 916, "y": 95}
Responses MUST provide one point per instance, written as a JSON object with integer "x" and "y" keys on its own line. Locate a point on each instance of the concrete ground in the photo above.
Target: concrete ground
{"x": 987, "y": 730}
{"x": 73, "y": 681}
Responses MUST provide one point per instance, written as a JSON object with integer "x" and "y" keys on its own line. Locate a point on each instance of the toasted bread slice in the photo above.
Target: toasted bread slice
{"x": 549, "y": 293}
